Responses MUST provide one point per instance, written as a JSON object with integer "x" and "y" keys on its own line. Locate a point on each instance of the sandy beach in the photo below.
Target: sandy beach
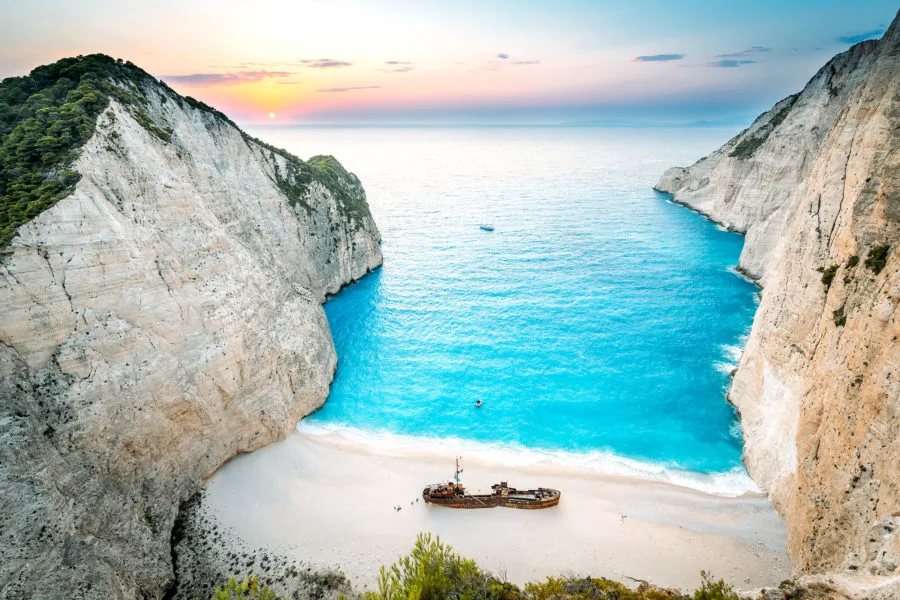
{"x": 328, "y": 500}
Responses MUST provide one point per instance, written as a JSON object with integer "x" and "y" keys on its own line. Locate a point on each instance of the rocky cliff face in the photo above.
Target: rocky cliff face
{"x": 815, "y": 185}
{"x": 162, "y": 318}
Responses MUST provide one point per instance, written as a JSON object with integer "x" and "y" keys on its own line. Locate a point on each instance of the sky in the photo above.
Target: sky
{"x": 456, "y": 61}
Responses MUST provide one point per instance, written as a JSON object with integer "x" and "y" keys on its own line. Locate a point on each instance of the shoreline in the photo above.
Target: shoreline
{"x": 329, "y": 500}
{"x": 729, "y": 484}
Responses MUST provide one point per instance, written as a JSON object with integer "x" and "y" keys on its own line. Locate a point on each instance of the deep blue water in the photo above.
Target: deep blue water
{"x": 597, "y": 317}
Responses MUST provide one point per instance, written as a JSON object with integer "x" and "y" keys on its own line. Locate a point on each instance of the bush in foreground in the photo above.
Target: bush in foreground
{"x": 249, "y": 589}
{"x": 432, "y": 571}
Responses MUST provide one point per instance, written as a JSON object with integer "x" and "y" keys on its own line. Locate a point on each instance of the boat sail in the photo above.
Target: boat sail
{"x": 486, "y": 224}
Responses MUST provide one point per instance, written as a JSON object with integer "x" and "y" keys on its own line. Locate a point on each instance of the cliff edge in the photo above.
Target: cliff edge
{"x": 160, "y": 284}
{"x": 815, "y": 185}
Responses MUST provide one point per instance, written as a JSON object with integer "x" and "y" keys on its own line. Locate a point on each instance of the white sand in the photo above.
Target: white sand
{"x": 328, "y": 500}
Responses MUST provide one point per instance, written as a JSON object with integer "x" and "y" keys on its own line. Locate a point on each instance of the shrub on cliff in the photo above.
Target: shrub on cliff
{"x": 878, "y": 257}
{"x": 840, "y": 318}
{"x": 828, "y": 275}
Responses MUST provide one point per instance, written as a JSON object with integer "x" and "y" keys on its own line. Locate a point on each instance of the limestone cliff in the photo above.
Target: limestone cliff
{"x": 815, "y": 185}
{"x": 161, "y": 318}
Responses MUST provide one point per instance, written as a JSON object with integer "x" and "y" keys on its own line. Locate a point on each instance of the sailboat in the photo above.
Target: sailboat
{"x": 486, "y": 225}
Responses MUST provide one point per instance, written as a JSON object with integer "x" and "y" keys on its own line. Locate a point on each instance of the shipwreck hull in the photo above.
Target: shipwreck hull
{"x": 533, "y": 504}
{"x": 455, "y": 497}
{"x": 464, "y": 502}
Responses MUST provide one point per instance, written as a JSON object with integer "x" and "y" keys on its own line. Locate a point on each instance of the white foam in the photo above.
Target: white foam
{"x": 729, "y": 484}
{"x": 725, "y": 367}
{"x": 735, "y": 271}
{"x": 731, "y": 359}
{"x": 733, "y": 353}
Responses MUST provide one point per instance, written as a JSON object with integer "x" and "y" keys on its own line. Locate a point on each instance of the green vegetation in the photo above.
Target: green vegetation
{"x": 330, "y": 173}
{"x": 588, "y": 588}
{"x": 144, "y": 121}
{"x": 432, "y": 571}
{"x": 202, "y": 106}
{"x": 299, "y": 175}
{"x": 249, "y": 589}
{"x": 848, "y": 271}
{"x": 750, "y": 144}
{"x": 294, "y": 182}
{"x": 828, "y": 275}
{"x": 45, "y": 118}
{"x": 878, "y": 257}
{"x": 712, "y": 589}
{"x": 840, "y": 319}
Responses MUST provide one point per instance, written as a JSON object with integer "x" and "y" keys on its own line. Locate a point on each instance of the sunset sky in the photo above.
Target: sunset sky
{"x": 316, "y": 61}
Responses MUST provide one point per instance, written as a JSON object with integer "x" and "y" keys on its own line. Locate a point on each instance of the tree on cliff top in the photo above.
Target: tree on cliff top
{"x": 45, "y": 118}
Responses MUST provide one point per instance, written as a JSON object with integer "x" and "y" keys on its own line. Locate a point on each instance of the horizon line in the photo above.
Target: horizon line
{"x": 574, "y": 125}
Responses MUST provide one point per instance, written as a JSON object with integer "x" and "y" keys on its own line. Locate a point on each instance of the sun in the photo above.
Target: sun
{"x": 271, "y": 115}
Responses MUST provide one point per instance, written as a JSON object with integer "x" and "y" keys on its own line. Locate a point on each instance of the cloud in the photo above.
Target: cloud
{"x": 214, "y": 79}
{"x": 861, "y": 37}
{"x": 747, "y": 52}
{"x": 658, "y": 58}
{"x": 348, "y": 89}
{"x": 729, "y": 63}
{"x": 731, "y": 60}
{"x": 493, "y": 65}
{"x": 326, "y": 63}
{"x": 400, "y": 66}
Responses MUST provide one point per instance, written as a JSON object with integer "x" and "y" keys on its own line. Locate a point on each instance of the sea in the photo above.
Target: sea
{"x": 598, "y": 322}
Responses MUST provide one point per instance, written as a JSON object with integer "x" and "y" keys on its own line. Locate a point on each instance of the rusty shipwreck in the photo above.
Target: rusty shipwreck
{"x": 454, "y": 495}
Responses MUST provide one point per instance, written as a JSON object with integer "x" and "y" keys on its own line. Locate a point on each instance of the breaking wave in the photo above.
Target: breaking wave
{"x": 732, "y": 483}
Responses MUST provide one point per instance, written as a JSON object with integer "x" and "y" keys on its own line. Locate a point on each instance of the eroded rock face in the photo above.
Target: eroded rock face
{"x": 815, "y": 183}
{"x": 163, "y": 318}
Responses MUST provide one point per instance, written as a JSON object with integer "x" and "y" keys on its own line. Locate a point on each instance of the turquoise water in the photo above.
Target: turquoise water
{"x": 598, "y": 317}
